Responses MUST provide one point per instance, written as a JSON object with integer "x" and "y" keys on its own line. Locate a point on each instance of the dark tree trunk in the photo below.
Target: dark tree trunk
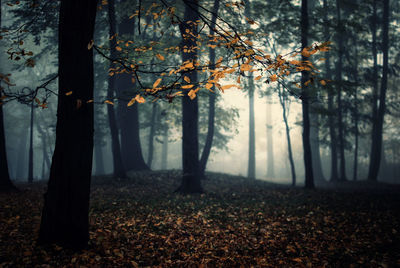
{"x": 339, "y": 67}
{"x": 270, "y": 148}
{"x": 118, "y": 165}
{"x": 66, "y": 202}
{"x": 22, "y": 157}
{"x": 30, "y": 163}
{"x": 128, "y": 117}
{"x": 376, "y": 152}
{"x": 5, "y": 181}
{"x": 283, "y": 100}
{"x": 309, "y": 177}
{"x": 211, "y": 98}
{"x": 152, "y": 133}
{"x": 331, "y": 111}
{"x": 190, "y": 143}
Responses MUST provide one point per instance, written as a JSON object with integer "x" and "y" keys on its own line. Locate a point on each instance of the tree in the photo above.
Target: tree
{"x": 305, "y": 98}
{"x": 118, "y": 165}
{"x": 376, "y": 148}
{"x": 5, "y": 181}
{"x": 66, "y": 205}
{"x": 190, "y": 144}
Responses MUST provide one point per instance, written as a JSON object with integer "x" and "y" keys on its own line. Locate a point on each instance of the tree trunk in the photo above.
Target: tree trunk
{"x": 309, "y": 177}
{"x": 283, "y": 100}
{"x": 211, "y": 98}
{"x": 5, "y": 181}
{"x": 66, "y": 202}
{"x": 339, "y": 67}
{"x": 251, "y": 169}
{"x": 22, "y": 158}
{"x": 128, "y": 117}
{"x": 164, "y": 151}
{"x": 270, "y": 148}
{"x": 30, "y": 161}
{"x": 118, "y": 165}
{"x": 316, "y": 154}
{"x": 331, "y": 112}
{"x": 375, "y": 159}
{"x": 190, "y": 142}
{"x": 98, "y": 156}
{"x": 151, "y": 134}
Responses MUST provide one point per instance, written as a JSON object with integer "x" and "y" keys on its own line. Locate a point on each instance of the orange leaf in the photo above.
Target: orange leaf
{"x": 109, "y": 102}
{"x": 157, "y": 82}
{"x": 68, "y": 93}
{"x": 187, "y": 79}
{"x": 187, "y": 86}
{"x": 160, "y": 57}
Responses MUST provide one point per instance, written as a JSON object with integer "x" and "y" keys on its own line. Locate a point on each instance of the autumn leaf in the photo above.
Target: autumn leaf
{"x": 109, "y": 102}
{"x": 273, "y": 78}
{"x": 258, "y": 78}
{"x": 160, "y": 57}
{"x": 323, "y": 82}
{"x": 157, "y": 82}
{"x": 118, "y": 48}
{"x": 140, "y": 99}
{"x": 90, "y": 45}
{"x": 131, "y": 102}
{"x": 187, "y": 86}
{"x": 68, "y": 93}
{"x": 187, "y": 79}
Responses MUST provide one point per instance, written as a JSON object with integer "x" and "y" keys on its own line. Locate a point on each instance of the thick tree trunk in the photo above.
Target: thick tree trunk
{"x": 190, "y": 142}
{"x": 283, "y": 100}
{"x": 309, "y": 177}
{"x": 5, "y": 181}
{"x": 211, "y": 98}
{"x": 128, "y": 117}
{"x": 339, "y": 67}
{"x": 66, "y": 204}
{"x": 331, "y": 113}
{"x": 30, "y": 163}
{"x": 118, "y": 165}
{"x": 270, "y": 148}
{"x": 376, "y": 152}
{"x": 154, "y": 112}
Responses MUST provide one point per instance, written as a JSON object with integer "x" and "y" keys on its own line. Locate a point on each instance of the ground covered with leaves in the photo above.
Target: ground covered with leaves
{"x": 140, "y": 222}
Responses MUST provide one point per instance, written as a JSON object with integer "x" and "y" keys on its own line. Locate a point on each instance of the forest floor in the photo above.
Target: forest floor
{"x": 140, "y": 222}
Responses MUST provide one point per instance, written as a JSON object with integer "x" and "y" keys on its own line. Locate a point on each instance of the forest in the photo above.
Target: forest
{"x": 204, "y": 133}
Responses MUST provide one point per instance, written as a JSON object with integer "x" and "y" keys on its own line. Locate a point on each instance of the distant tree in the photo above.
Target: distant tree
{"x": 66, "y": 204}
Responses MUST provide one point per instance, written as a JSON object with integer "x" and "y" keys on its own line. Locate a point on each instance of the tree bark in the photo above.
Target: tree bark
{"x": 118, "y": 165}
{"x": 5, "y": 181}
{"x": 339, "y": 67}
{"x": 164, "y": 151}
{"x": 376, "y": 152}
{"x": 309, "y": 177}
{"x": 251, "y": 169}
{"x": 128, "y": 117}
{"x": 66, "y": 202}
{"x": 331, "y": 112}
{"x": 211, "y": 98}
{"x": 190, "y": 142}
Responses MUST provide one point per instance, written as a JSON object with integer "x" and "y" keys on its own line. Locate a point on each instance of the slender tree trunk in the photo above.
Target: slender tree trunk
{"x": 376, "y": 151}
{"x": 190, "y": 142}
{"x": 128, "y": 117}
{"x": 355, "y": 112}
{"x": 98, "y": 156}
{"x": 46, "y": 160}
{"x": 251, "y": 169}
{"x": 211, "y": 98}
{"x": 309, "y": 177}
{"x": 22, "y": 157}
{"x": 154, "y": 112}
{"x": 283, "y": 100}
{"x": 331, "y": 111}
{"x": 66, "y": 202}
{"x": 118, "y": 165}
{"x": 339, "y": 67}
{"x": 30, "y": 163}
{"x": 270, "y": 148}
{"x": 314, "y": 137}
{"x": 164, "y": 152}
